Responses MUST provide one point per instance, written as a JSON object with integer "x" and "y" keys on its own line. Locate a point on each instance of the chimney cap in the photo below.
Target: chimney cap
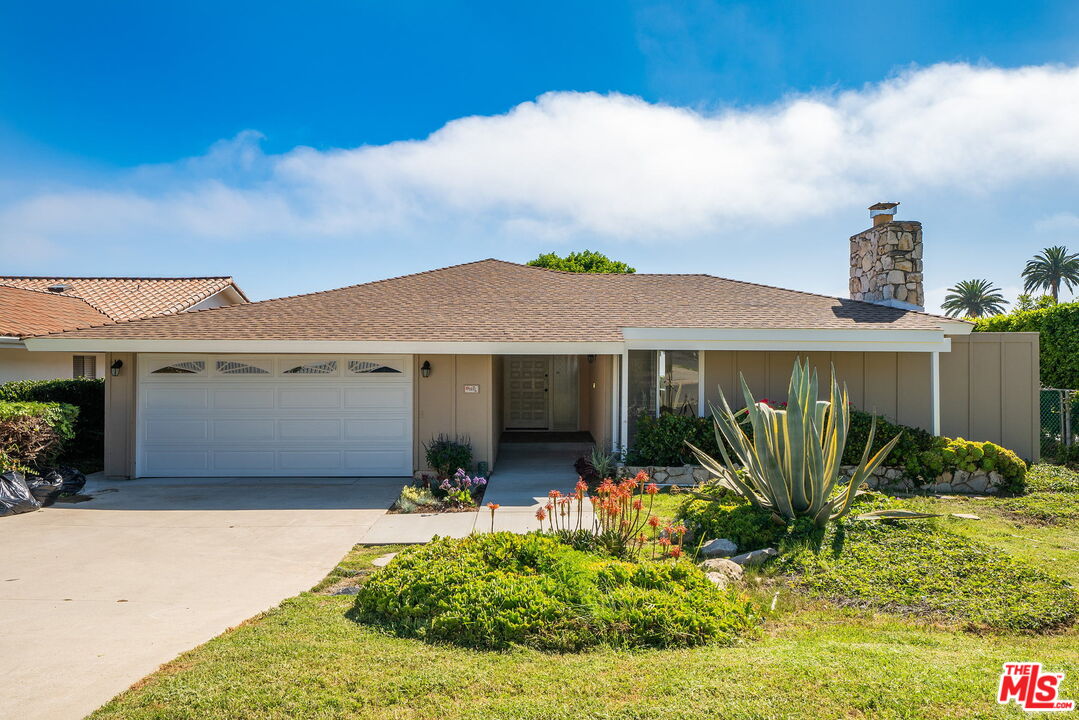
{"x": 884, "y": 206}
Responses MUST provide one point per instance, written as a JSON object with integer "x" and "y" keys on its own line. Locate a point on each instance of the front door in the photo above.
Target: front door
{"x": 526, "y": 392}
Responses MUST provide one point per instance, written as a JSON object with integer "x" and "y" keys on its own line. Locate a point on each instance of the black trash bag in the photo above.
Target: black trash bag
{"x": 15, "y": 496}
{"x": 71, "y": 480}
{"x": 45, "y": 489}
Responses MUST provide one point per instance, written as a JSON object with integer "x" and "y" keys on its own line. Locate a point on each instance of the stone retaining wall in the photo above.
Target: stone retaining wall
{"x": 961, "y": 482}
{"x": 884, "y": 478}
{"x": 677, "y": 474}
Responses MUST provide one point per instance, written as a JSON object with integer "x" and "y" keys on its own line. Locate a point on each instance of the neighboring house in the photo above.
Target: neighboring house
{"x": 353, "y": 381}
{"x": 41, "y": 305}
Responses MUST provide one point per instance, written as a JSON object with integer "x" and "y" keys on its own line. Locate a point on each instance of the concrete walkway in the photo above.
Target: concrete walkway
{"x": 97, "y": 595}
{"x": 524, "y": 474}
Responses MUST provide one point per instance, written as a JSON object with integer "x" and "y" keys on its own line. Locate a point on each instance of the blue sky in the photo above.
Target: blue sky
{"x": 304, "y": 146}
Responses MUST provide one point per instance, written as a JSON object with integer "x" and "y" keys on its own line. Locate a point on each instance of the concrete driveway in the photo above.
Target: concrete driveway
{"x": 96, "y": 595}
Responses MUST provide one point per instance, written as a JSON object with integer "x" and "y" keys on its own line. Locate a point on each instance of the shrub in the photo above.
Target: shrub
{"x": 729, "y": 516}
{"x": 498, "y": 590}
{"x": 412, "y": 498}
{"x": 448, "y": 455}
{"x": 906, "y": 454}
{"x": 88, "y": 444}
{"x": 33, "y": 434}
{"x": 917, "y": 567}
{"x": 460, "y": 490}
{"x": 661, "y": 441}
{"x": 1052, "y": 478}
{"x": 1059, "y": 343}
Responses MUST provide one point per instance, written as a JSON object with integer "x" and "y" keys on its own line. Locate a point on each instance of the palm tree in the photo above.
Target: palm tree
{"x": 973, "y": 298}
{"x": 1051, "y": 267}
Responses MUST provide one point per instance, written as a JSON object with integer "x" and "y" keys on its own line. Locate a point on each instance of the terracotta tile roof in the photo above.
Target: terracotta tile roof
{"x": 498, "y": 301}
{"x": 127, "y": 298}
{"x": 33, "y": 312}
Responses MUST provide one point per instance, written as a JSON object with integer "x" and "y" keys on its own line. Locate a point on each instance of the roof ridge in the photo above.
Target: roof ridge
{"x": 115, "y": 277}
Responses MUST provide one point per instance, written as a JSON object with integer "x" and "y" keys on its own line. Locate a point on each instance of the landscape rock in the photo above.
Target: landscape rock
{"x": 720, "y": 548}
{"x": 384, "y": 560}
{"x": 755, "y": 557}
{"x": 347, "y": 590}
{"x": 722, "y": 566}
{"x": 720, "y": 580}
{"x": 966, "y": 516}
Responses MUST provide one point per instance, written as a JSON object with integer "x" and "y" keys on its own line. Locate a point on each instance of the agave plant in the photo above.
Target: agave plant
{"x": 791, "y": 466}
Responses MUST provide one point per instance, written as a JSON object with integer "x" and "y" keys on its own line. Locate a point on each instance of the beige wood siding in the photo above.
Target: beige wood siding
{"x": 120, "y": 416}
{"x": 895, "y": 385}
{"x": 989, "y": 390}
{"x": 443, "y": 406}
{"x": 596, "y": 389}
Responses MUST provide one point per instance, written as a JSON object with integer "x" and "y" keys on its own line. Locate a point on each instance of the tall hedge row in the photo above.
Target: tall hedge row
{"x": 1059, "y": 328}
{"x": 87, "y": 448}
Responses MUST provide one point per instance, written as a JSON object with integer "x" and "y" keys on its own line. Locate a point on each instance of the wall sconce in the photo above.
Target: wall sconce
{"x": 425, "y": 369}
{"x": 115, "y": 367}
{"x": 591, "y": 358}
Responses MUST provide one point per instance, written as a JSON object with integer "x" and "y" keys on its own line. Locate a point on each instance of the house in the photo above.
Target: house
{"x": 40, "y": 305}
{"x": 353, "y": 381}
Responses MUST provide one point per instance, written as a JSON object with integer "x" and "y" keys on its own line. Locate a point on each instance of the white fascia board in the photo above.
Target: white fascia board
{"x": 804, "y": 340}
{"x": 308, "y": 347}
{"x": 958, "y": 327}
{"x": 10, "y": 341}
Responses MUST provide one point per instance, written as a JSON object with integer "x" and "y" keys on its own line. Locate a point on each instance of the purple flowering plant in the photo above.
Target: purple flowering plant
{"x": 460, "y": 489}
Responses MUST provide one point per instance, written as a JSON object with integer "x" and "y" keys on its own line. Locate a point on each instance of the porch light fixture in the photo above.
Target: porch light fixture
{"x": 425, "y": 369}
{"x": 591, "y": 358}
{"x": 115, "y": 367}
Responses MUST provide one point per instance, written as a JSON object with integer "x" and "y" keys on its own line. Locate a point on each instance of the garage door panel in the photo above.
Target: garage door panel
{"x": 173, "y": 431}
{"x": 310, "y": 461}
{"x": 163, "y": 461}
{"x": 375, "y": 430}
{"x": 243, "y": 430}
{"x": 244, "y": 462}
{"x": 309, "y": 398}
{"x": 317, "y": 430}
{"x": 374, "y": 397}
{"x": 375, "y": 462}
{"x": 176, "y": 397}
{"x": 303, "y": 424}
{"x": 253, "y": 398}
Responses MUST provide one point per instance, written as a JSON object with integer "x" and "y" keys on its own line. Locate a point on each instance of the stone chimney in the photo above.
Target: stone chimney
{"x": 886, "y": 261}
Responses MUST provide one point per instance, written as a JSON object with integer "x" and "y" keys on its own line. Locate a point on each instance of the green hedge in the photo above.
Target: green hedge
{"x": 87, "y": 448}
{"x": 1059, "y": 342}
{"x": 20, "y": 440}
{"x": 661, "y": 442}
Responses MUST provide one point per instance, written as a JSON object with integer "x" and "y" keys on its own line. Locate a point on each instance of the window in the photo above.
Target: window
{"x": 83, "y": 366}
{"x": 363, "y": 367}
{"x": 662, "y": 381}
{"x": 679, "y": 381}
{"x": 314, "y": 367}
{"x": 237, "y": 367}
{"x": 182, "y": 367}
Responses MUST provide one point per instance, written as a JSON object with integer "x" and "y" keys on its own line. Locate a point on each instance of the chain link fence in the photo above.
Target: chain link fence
{"x": 1060, "y": 419}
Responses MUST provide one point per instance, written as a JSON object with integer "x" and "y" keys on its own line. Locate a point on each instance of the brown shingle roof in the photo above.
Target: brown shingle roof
{"x": 33, "y": 312}
{"x": 498, "y": 301}
{"x": 127, "y": 298}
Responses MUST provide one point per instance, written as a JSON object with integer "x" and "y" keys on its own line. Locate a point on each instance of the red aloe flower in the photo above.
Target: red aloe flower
{"x": 638, "y": 504}
{"x": 651, "y": 488}
{"x": 653, "y": 521}
{"x": 541, "y": 514}
{"x": 675, "y": 552}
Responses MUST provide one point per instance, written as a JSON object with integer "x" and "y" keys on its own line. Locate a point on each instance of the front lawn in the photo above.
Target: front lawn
{"x": 813, "y": 660}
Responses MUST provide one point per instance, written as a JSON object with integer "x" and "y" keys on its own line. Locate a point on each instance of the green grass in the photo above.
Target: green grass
{"x": 306, "y": 659}
{"x": 1052, "y": 478}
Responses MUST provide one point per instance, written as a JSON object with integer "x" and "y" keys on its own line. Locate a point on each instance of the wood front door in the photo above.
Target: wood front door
{"x": 527, "y": 393}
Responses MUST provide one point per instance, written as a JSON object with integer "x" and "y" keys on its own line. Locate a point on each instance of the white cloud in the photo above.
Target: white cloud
{"x": 605, "y": 165}
{"x": 1058, "y": 222}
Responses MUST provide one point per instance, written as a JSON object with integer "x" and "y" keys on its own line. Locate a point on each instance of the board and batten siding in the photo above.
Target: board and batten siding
{"x": 989, "y": 385}
{"x": 989, "y": 388}
{"x": 442, "y": 405}
{"x": 895, "y": 385}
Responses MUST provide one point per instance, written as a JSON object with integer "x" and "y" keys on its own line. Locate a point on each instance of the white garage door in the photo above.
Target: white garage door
{"x": 225, "y": 415}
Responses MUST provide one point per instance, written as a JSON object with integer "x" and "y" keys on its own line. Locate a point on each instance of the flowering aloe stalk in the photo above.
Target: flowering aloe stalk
{"x": 791, "y": 466}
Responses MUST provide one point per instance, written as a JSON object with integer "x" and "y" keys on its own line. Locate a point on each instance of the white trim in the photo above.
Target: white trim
{"x": 623, "y": 410}
{"x": 700, "y": 383}
{"x": 11, "y": 341}
{"x": 616, "y": 385}
{"x": 934, "y": 390}
{"x": 316, "y": 347}
{"x": 804, "y": 340}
